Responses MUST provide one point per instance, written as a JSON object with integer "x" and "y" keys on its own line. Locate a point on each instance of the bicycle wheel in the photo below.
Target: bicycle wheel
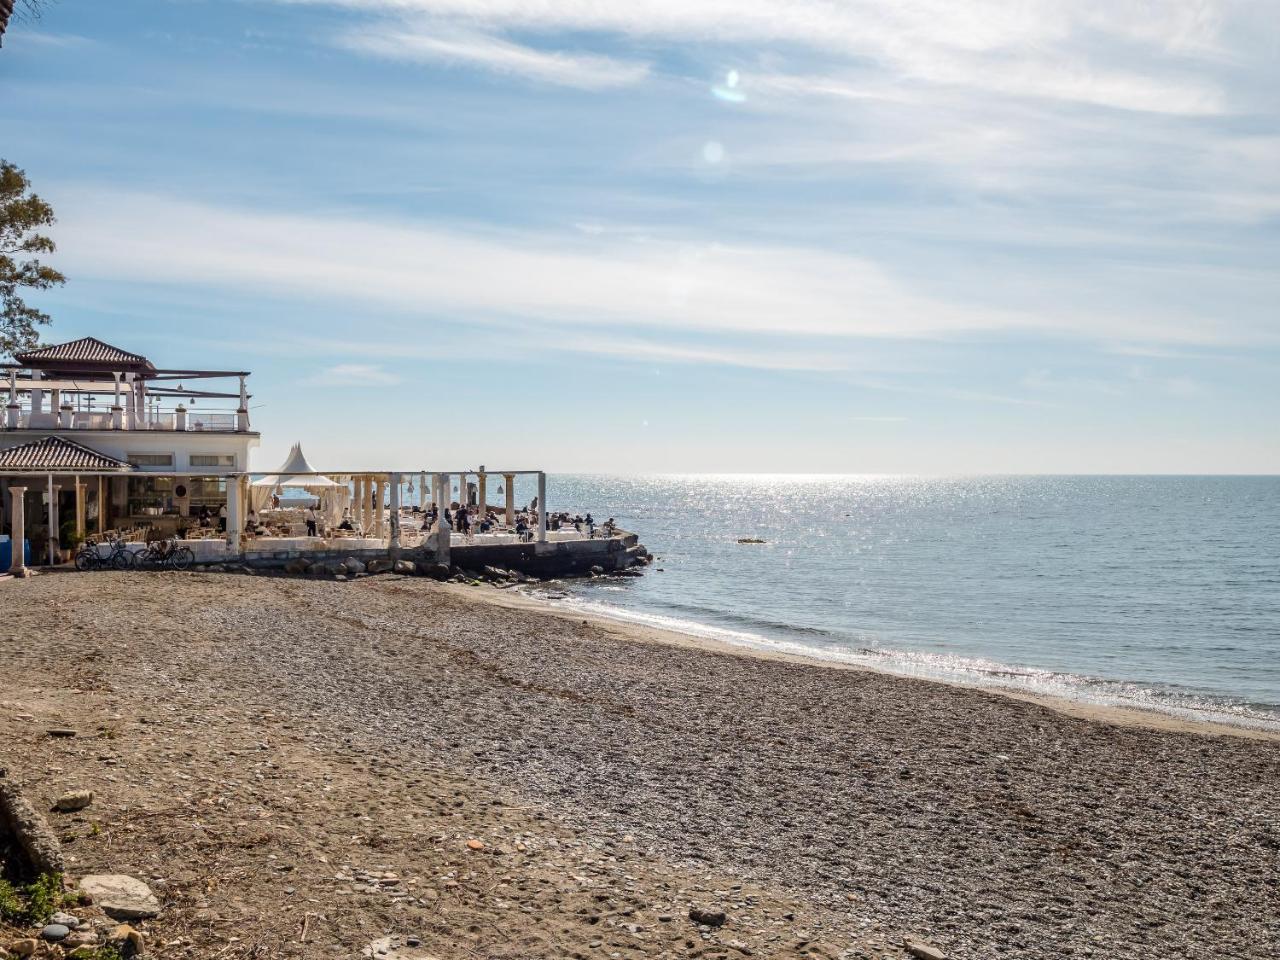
{"x": 124, "y": 560}
{"x": 181, "y": 558}
{"x": 84, "y": 559}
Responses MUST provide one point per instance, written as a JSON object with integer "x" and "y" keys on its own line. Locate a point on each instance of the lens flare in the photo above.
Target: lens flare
{"x": 729, "y": 90}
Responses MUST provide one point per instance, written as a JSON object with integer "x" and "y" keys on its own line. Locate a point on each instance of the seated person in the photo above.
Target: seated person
{"x": 346, "y": 521}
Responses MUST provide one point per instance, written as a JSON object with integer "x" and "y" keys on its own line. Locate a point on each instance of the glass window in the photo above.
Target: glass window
{"x": 213, "y": 459}
{"x": 150, "y": 459}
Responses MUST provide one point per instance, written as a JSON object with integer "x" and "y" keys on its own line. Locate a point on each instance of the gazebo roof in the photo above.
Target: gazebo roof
{"x": 87, "y": 353}
{"x": 57, "y": 455}
{"x": 296, "y": 472}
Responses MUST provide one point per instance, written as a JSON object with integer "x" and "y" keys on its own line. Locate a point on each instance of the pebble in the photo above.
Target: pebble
{"x": 923, "y": 951}
{"x": 66, "y": 919}
{"x": 475, "y": 844}
{"x": 24, "y": 948}
{"x": 55, "y": 932}
{"x": 707, "y": 917}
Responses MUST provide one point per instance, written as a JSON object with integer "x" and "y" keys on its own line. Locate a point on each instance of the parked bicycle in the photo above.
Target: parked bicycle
{"x": 165, "y": 555}
{"x": 119, "y": 557}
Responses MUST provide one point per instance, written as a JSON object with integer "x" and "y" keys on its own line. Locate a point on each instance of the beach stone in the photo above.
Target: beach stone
{"x": 55, "y": 932}
{"x": 24, "y": 948}
{"x": 394, "y": 948}
{"x": 73, "y": 800}
{"x": 404, "y": 566}
{"x": 437, "y": 571}
{"x": 66, "y": 919}
{"x": 337, "y": 569}
{"x": 297, "y": 565}
{"x": 354, "y": 566}
{"x": 379, "y": 566}
{"x": 475, "y": 844}
{"x": 923, "y": 951}
{"x": 126, "y": 940}
{"x": 705, "y": 916}
{"x": 121, "y": 897}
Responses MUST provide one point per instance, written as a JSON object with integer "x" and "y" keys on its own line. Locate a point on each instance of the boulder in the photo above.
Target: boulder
{"x": 54, "y": 932}
{"x": 121, "y": 897}
{"x": 379, "y": 566}
{"x": 336, "y": 569}
{"x": 597, "y": 571}
{"x": 297, "y": 566}
{"x": 404, "y": 566}
{"x": 354, "y": 566}
{"x": 436, "y": 571}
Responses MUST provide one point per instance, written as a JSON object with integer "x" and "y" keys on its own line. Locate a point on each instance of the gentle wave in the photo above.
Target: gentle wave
{"x": 969, "y": 671}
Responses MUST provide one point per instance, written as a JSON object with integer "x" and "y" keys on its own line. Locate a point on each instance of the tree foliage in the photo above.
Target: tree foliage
{"x": 22, "y": 213}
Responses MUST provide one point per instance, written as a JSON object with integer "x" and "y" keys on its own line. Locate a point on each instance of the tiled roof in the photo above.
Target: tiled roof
{"x": 59, "y": 455}
{"x": 87, "y": 350}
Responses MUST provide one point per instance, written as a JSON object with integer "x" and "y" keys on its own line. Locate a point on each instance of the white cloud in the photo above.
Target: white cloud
{"x": 354, "y": 375}
{"x": 564, "y": 278}
{"x": 437, "y": 44}
{"x": 1034, "y": 48}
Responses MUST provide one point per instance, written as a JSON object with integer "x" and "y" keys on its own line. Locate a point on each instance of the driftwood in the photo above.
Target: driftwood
{"x": 29, "y": 828}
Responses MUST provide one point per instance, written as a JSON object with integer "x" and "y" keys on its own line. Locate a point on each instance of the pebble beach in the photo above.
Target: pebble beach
{"x": 308, "y": 766}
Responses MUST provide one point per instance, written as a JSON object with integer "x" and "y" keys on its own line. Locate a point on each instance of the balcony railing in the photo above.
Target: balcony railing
{"x": 196, "y": 421}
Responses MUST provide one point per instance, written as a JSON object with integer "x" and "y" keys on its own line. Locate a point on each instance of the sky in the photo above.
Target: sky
{"x": 926, "y": 236}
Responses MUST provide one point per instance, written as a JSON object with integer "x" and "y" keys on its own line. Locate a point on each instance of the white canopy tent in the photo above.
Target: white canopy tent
{"x": 297, "y": 475}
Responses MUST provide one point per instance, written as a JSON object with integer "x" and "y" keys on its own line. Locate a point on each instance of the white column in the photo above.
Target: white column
{"x": 102, "y": 505}
{"x": 18, "y": 528}
{"x": 235, "y": 513}
{"x": 379, "y": 495}
{"x": 394, "y": 480}
{"x": 242, "y": 414}
{"x": 510, "y": 479}
{"x": 13, "y": 385}
{"x": 180, "y": 417}
{"x": 482, "y": 493}
{"x": 422, "y": 492}
{"x": 53, "y": 521}
{"x": 442, "y": 528}
{"x": 542, "y": 507}
{"x": 65, "y": 412}
{"x": 37, "y": 396}
{"x": 462, "y": 490}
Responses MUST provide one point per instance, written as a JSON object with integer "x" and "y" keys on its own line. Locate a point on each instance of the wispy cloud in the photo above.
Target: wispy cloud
{"x": 550, "y": 277}
{"x": 436, "y": 44}
{"x": 354, "y": 375}
{"x": 1037, "y": 48}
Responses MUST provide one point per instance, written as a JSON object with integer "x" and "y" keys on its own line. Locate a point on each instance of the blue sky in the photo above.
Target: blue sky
{"x": 759, "y": 235}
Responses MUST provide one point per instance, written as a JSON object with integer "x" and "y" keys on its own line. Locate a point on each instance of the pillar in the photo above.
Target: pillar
{"x": 542, "y": 507}
{"x": 54, "y": 523}
{"x": 483, "y": 494}
{"x": 379, "y": 495}
{"x": 422, "y": 492}
{"x": 242, "y": 412}
{"x": 65, "y": 413}
{"x": 394, "y": 480}
{"x": 18, "y": 528}
{"x": 37, "y": 396}
{"x": 12, "y": 412}
{"x": 102, "y": 506}
{"x": 442, "y": 529}
{"x": 180, "y": 417}
{"x": 462, "y": 489}
{"x": 510, "y": 479}
{"x": 235, "y": 513}
{"x": 80, "y": 512}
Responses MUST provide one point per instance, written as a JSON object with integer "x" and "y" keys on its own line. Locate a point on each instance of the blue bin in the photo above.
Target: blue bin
{"x": 6, "y": 554}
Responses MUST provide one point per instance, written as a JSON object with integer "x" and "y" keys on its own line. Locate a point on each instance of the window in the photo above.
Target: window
{"x": 212, "y": 459}
{"x": 150, "y": 459}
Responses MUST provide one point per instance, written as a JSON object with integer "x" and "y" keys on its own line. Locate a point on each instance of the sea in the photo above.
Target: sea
{"x": 1153, "y": 592}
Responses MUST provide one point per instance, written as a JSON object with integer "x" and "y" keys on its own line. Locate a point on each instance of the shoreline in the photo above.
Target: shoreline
{"x": 342, "y": 744}
{"x": 1146, "y": 718}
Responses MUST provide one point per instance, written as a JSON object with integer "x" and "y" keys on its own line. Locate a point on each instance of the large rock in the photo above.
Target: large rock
{"x": 354, "y": 566}
{"x": 73, "y": 800}
{"x": 121, "y": 897}
{"x": 297, "y": 565}
{"x": 436, "y": 571}
{"x": 337, "y": 569}
{"x": 404, "y": 566}
{"x": 923, "y": 951}
{"x": 380, "y": 565}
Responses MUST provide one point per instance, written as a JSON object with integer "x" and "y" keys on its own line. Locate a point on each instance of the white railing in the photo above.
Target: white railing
{"x": 197, "y": 421}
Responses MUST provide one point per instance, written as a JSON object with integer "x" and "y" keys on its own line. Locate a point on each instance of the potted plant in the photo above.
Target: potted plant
{"x": 68, "y": 540}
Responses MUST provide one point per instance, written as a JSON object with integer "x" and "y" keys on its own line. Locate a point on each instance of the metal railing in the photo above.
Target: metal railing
{"x": 196, "y": 421}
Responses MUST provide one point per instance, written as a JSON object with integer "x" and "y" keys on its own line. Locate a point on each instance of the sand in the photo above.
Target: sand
{"x": 265, "y": 751}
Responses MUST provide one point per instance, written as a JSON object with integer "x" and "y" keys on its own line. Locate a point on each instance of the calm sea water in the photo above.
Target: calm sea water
{"x": 1158, "y": 592}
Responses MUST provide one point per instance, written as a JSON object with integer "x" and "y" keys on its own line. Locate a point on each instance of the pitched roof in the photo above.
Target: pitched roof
{"x": 58, "y": 455}
{"x": 87, "y": 351}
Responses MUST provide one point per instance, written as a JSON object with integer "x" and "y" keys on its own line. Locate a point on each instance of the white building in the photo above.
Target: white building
{"x": 94, "y": 437}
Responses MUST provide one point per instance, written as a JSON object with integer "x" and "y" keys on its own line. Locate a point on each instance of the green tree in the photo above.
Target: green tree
{"x": 22, "y": 213}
